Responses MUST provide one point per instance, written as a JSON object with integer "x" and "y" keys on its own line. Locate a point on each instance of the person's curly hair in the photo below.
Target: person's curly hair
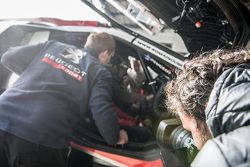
{"x": 191, "y": 88}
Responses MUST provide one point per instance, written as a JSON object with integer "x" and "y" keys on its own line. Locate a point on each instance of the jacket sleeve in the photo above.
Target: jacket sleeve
{"x": 225, "y": 150}
{"x": 102, "y": 110}
{"x": 16, "y": 59}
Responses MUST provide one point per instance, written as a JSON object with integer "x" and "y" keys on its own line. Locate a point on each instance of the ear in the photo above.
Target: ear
{"x": 103, "y": 56}
{"x": 106, "y": 52}
{"x": 188, "y": 122}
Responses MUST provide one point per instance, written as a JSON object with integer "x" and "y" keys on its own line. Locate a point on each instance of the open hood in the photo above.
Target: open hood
{"x": 201, "y": 24}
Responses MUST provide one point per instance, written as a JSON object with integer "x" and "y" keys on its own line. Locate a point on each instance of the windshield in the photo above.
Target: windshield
{"x": 138, "y": 18}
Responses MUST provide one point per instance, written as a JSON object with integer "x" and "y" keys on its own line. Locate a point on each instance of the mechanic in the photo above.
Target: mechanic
{"x": 211, "y": 97}
{"x": 58, "y": 85}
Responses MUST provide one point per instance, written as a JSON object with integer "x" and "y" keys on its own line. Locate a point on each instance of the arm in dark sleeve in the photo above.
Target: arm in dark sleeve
{"x": 16, "y": 59}
{"x": 102, "y": 110}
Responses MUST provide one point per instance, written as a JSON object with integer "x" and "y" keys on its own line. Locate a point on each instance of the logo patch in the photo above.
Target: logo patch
{"x": 73, "y": 54}
{"x": 69, "y": 69}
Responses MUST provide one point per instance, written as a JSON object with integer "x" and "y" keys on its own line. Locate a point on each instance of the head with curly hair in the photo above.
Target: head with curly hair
{"x": 188, "y": 94}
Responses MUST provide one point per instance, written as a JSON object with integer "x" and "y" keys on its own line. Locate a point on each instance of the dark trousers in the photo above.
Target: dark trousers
{"x": 16, "y": 152}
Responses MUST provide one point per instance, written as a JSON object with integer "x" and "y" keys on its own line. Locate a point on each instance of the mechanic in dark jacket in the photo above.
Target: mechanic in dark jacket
{"x": 58, "y": 85}
{"x": 211, "y": 97}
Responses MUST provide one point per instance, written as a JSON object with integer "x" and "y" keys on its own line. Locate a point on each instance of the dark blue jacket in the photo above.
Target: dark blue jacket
{"x": 228, "y": 117}
{"x": 58, "y": 85}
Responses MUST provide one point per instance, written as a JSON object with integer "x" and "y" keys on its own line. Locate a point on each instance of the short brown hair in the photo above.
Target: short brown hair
{"x": 100, "y": 41}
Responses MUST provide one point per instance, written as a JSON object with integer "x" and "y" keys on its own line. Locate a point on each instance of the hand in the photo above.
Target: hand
{"x": 123, "y": 138}
{"x": 149, "y": 97}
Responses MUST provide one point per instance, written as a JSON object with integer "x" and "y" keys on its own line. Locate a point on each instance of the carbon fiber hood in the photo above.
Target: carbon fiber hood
{"x": 202, "y": 24}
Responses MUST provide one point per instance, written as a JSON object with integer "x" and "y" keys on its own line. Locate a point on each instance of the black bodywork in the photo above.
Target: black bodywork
{"x": 202, "y": 24}
{"x": 224, "y": 24}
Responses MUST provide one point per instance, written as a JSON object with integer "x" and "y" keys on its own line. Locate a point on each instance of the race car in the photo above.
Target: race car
{"x": 161, "y": 35}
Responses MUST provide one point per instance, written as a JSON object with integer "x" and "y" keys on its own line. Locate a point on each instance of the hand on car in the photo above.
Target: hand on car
{"x": 123, "y": 138}
{"x": 149, "y": 97}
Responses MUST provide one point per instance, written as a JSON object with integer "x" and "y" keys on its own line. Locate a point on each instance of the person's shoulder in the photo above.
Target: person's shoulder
{"x": 59, "y": 43}
{"x": 205, "y": 159}
{"x": 234, "y": 71}
{"x": 231, "y": 76}
{"x": 104, "y": 72}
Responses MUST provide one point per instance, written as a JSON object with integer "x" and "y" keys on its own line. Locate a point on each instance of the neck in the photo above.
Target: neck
{"x": 91, "y": 52}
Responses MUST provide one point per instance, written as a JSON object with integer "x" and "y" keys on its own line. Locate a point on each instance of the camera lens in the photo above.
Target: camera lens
{"x": 181, "y": 138}
{"x": 171, "y": 132}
